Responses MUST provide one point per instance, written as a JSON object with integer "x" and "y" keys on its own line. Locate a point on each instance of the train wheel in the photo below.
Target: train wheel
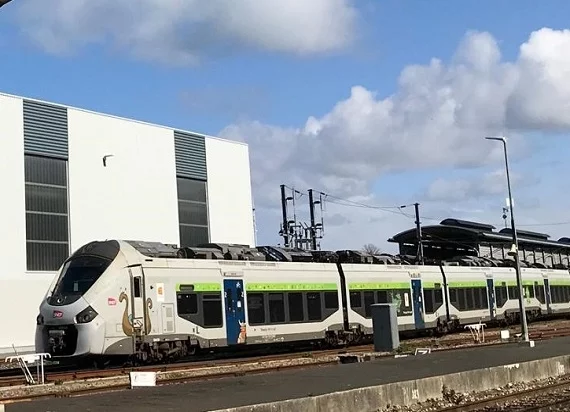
{"x": 101, "y": 363}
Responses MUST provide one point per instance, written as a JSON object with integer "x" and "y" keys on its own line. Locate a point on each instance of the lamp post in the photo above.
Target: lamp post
{"x": 524, "y": 326}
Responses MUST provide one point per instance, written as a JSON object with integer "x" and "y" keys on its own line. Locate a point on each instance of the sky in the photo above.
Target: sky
{"x": 380, "y": 103}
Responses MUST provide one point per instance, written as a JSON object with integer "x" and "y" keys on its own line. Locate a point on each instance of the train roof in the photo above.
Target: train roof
{"x": 450, "y": 231}
{"x": 224, "y": 251}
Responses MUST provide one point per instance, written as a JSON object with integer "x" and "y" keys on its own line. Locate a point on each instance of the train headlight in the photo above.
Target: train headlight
{"x": 40, "y": 319}
{"x": 86, "y": 315}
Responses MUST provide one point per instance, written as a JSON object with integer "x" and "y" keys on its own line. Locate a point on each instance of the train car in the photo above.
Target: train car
{"x": 506, "y": 299}
{"x": 557, "y": 286}
{"x": 470, "y": 294}
{"x": 120, "y": 298}
{"x": 292, "y": 302}
{"x": 417, "y": 292}
{"x": 117, "y": 299}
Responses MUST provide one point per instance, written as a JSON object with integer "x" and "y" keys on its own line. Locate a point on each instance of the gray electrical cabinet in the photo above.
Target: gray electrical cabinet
{"x": 385, "y": 326}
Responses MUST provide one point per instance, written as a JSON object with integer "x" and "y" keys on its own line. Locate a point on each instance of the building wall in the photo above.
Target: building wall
{"x": 136, "y": 196}
{"x": 20, "y": 292}
{"x": 229, "y": 192}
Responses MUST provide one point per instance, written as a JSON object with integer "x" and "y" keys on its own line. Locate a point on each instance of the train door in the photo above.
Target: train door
{"x": 547, "y": 297}
{"x": 138, "y": 310}
{"x": 235, "y": 313}
{"x": 418, "y": 303}
{"x": 491, "y": 297}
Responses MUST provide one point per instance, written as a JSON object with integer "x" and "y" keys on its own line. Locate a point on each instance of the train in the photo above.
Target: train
{"x": 153, "y": 302}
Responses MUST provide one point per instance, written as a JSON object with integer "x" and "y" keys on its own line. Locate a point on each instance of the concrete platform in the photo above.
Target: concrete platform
{"x": 248, "y": 390}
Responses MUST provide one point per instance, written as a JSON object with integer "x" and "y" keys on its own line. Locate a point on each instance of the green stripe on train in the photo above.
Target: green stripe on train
{"x": 472, "y": 284}
{"x": 264, "y": 287}
{"x": 201, "y": 287}
{"x": 381, "y": 286}
{"x": 499, "y": 283}
{"x": 560, "y": 282}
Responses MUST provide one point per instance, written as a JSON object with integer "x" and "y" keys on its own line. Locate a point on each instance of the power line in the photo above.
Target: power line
{"x": 398, "y": 210}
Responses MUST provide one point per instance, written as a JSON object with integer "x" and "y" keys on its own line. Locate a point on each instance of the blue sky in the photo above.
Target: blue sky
{"x": 263, "y": 90}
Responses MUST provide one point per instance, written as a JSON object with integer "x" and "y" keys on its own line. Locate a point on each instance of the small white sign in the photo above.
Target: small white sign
{"x": 160, "y": 292}
{"x": 505, "y": 334}
{"x": 142, "y": 379}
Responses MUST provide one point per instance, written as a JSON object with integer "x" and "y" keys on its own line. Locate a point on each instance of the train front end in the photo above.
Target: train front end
{"x": 69, "y": 323}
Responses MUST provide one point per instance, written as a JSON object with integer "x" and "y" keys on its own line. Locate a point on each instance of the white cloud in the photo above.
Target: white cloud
{"x": 181, "y": 31}
{"x": 437, "y": 118}
{"x": 542, "y": 99}
{"x": 487, "y": 184}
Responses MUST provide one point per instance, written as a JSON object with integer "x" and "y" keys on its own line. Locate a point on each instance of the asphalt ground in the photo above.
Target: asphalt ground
{"x": 269, "y": 387}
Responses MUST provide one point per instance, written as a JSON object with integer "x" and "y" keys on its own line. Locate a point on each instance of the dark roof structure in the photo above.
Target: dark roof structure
{"x": 466, "y": 234}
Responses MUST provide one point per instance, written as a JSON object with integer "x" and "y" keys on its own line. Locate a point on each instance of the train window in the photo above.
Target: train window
{"x": 469, "y": 298}
{"x": 453, "y": 296}
{"x": 314, "y": 306}
{"x": 402, "y": 300}
{"x": 296, "y": 313}
{"x": 355, "y": 300}
{"x": 212, "y": 310}
{"x": 331, "y": 300}
{"x": 276, "y": 308}
{"x": 187, "y": 303}
{"x": 540, "y": 292}
{"x": 484, "y": 298}
{"x": 368, "y": 302}
{"x": 382, "y": 296}
{"x": 438, "y": 297}
{"x": 137, "y": 287}
{"x": 513, "y": 292}
{"x": 500, "y": 295}
{"x": 256, "y": 308}
{"x": 429, "y": 300}
{"x": 554, "y": 294}
{"x": 433, "y": 299}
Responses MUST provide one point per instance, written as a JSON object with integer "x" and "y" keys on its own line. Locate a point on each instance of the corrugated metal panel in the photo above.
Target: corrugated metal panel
{"x": 45, "y": 129}
{"x": 190, "y": 152}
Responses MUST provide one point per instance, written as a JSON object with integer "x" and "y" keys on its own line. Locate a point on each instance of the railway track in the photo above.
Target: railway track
{"x": 232, "y": 366}
{"x": 553, "y": 397}
{"x": 78, "y": 375}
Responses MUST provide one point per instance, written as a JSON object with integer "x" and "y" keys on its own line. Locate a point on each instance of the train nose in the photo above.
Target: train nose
{"x": 61, "y": 329}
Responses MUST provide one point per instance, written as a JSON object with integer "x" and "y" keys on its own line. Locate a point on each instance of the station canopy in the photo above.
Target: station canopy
{"x": 471, "y": 235}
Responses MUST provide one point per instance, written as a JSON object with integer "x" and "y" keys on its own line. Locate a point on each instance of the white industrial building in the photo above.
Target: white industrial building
{"x": 70, "y": 176}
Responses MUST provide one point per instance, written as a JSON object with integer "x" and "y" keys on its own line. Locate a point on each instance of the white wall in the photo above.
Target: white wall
{"x": 135, "y": 196}
{"x": 20, "y": 292}
{"x": 229, "y": 192}
{"x": 13, "y": 215}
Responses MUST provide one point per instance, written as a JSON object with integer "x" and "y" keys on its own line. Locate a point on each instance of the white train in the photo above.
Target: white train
{"x": 155, "y": 301}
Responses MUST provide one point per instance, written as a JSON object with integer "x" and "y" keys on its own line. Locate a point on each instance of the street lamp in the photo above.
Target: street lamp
{"x": 515, "y": 248}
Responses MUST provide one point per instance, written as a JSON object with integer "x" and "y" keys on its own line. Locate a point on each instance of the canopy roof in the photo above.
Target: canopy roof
{"x": 463, "y": 232}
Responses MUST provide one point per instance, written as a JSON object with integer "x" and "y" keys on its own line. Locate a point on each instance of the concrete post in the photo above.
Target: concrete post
{"x": 385, "y": 325}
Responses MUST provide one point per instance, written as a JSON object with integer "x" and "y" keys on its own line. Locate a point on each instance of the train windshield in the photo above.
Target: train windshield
{"x": 77, "y": 276}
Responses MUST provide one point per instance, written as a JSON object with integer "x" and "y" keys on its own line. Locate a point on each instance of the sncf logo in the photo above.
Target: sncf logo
{"x": 57, "y": 314}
